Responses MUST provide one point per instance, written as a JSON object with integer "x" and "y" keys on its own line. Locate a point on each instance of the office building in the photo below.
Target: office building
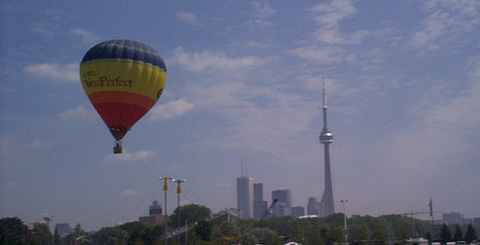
{"x": 245, "y": 197}
{"x": 155, "y": 214}
{"x": 312, "y": 206}
{"x": 259, "y": 205}
{"x": 283, "y": 202}
{"x": 452, "y": 218}
{"x": 63, "y": 229}
{"x": 298, "y": 211}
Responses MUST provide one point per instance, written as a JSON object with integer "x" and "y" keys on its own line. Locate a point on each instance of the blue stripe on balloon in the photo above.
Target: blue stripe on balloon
{"x": 125, "y": 49}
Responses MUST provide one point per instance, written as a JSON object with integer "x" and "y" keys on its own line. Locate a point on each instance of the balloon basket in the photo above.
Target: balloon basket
{"x": 117, "y": 149}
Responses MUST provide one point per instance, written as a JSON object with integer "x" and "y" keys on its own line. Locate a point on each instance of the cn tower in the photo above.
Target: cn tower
{"x": 326, "y": 137}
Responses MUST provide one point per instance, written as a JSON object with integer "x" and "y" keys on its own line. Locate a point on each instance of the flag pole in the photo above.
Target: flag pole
{"x": 430, "y": 205}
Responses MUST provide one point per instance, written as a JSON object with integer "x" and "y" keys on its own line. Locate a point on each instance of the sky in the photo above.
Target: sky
{"x": 244, "y": 88}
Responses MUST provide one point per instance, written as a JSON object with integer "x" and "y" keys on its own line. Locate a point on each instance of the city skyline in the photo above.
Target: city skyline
{"x": 244, "y": 86}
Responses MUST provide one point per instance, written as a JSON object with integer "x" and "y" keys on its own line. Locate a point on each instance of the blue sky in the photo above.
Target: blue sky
{"x": 244, "y": 87}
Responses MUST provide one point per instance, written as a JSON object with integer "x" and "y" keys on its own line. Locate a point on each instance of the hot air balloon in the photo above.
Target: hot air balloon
{"x": 123, "y": 79}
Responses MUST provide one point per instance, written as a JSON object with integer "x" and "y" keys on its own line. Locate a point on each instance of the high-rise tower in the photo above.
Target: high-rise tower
{"x": 245, "y": 197}
{"x": 259, "y": 205}
{"x": 326, "y": 137}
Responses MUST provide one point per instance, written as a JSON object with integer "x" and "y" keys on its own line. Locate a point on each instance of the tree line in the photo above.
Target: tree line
{"x": 276, "y": 230}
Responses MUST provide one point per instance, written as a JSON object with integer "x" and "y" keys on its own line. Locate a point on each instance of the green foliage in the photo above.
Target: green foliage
{"x": 133, "y": 226}
{"x": 458, "y": 235}
{"x": 42, "y": 234}
{"x": 78, "y": 234}
{"x": 428, "y": 236}
{"x": 445, "y": 235}
{"x": 470, "y": 234}
{"x": 190, "y": 213}
{"x": 364, "y": 233}
{"x": 203, "y": 229}
{"x": 336, "y": 235}
{"x": 380, "y": 235}
{"x": 110, "y": 235}
{"x": 266, "y": 236}
{"x": 13, "y": 231}
{"x": 278, "y": 230}
{"x": 229, "y": 229}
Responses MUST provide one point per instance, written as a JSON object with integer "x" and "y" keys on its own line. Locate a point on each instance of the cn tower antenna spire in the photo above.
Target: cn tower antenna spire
{"x": 325, "y": 128}
{"x": 326, "y": 137}
{"x": 324, "y": 97}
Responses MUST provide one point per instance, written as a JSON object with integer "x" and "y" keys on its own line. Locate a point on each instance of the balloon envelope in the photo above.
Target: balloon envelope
{"x": 123, "y": 79}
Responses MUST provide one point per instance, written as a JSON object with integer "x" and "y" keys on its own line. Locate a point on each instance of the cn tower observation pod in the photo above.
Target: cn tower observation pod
{"x": 326, "y": 137}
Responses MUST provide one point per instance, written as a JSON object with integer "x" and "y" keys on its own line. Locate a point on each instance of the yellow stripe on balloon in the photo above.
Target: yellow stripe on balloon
{"x": 123, "y": 75}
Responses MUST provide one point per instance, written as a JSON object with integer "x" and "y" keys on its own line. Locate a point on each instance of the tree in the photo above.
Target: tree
{"x": 56, "y": 237}
{"x": 445, "y": 234}
{"x": 189, "y": 213}
{"x": 110, "y": 235}
{"x": 204, "y": 229}
{"x": 471, "y": 234}
{"x": 317, "y": 238}
{"x": 380, "y": 235}
{"x": 403, "y": 232}
{"x": 228, "y": 231}
{"x": 13, "y": 231}
{"x": 42, "y": 234}
{"x": 133, "y": 226}
{"x": 248, "y": 237}
{"x": 266, "y": 236}
{"x": 78, "y": 233}
{"x": 336, "y": 235}
{"x": 428, "y": 236}
{"x": 364, "y": 234}
{"x": 458, "y": 235}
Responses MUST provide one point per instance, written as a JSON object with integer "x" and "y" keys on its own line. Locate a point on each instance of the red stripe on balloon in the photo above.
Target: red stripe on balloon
{"x": 121, "y": 97}
{"x": 119, "y": 117}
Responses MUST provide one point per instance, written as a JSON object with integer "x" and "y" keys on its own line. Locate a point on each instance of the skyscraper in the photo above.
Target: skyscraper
{"x": 326, "y": 138}
{"x": 284, "y": 202}
{"x": 312, "y": 206}
{"x": 245, "y": 197}
{"x": 259, "y": 205}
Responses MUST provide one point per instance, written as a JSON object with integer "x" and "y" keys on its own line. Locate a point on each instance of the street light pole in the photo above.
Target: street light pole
{"x": 345, "y": 230}
{"x": 179, "y": 190}
{"x": 165, "y": 188}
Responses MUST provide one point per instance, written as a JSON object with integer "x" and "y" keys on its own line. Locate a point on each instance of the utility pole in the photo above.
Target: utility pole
{"x": 345, "y": 229}
{"x": 165, "y": 188}
{"x": 179, "y": 190}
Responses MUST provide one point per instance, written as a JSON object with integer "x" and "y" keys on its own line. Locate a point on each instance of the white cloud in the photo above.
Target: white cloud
{"x": 170, "y": 110}
{"x": 205, "y": 60}
{"x": 446, "y": 20}
{"x": 50, "y": 24}
{"x": 79, "y": 113}
{"x": 85, "y": 37}
{"x": 54, "y": 71}
{"x": 261, "y": 11}
{"x": 128, "y": 157}
{"x": 326, "y": 55}
{"x": 269, "y": 120}
{"x": 334, "y": 11}
{"x": 129, "y": 193}
{"x": 188, "y": 18}
{"x": 330, "y": 15}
